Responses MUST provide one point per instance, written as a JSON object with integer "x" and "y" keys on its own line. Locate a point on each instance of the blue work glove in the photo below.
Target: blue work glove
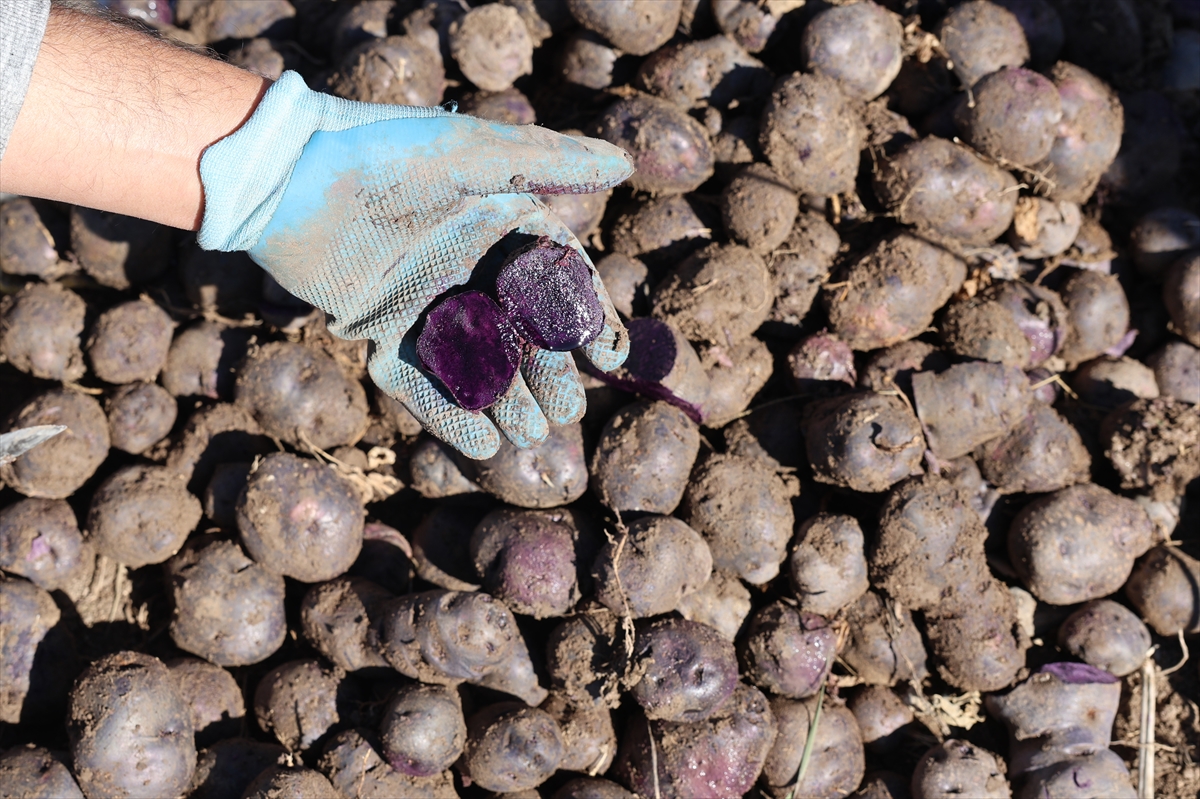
{"x": 370, "y": 212}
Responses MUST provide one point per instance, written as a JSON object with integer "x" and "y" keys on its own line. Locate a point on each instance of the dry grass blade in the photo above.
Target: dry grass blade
{"x": 806, "y": 756}
{"x": 1146, "y": 735}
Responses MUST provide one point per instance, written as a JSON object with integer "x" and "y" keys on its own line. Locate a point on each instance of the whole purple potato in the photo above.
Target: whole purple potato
{"x": 527, "y": 560}
{"x": 719, "y": 757}
{"x": 423, "y": 731}
{"x": 1078, "y": 543}
{"x": 214, "y": 696}
{"x": 1044, "y": 452}
{"x": 644, "y": 456}
{"x": 671, "y": 151}
{"x": 1181, "y": 293}
{"x": 445, "y": 637}
{"x": 355, "y": 767}
{"x": 827, "y": 568}
{"x": 297, "y": 702}
{"x": 142, "y": 514}
{"x": 1014, "y": 117}
{"x": 202, "y": 360}
{"x": 28, "y": 247}
{"x": 1098, "y": 311}
{"x": 638, "y": 27}
{"x": 492, "y": 47}
{"x": 837, "y": 762}
{"x": 402, "y": 70}
{"x": 1161, "y": 237}
{"x": 892, "y": 291}
{"x": 586, "y": 60}
{"x": 1042, "y": 227}
{"x": 139, "y": 416}
{"x": 547, "y": 475}
{"x": 687, "y": 670}
{"x": 1009, "y": 322}
{"x": 1154, "y": 445}
{"x": 129, "y": 342}
{"x": 511, "y": 747}
{"x": 947, "y": 191}
{"x": 712, "y": 72}
{"x": 1162, "y": 588}
{"x": 981, "y": 37}
{"x": 1089, "y": 134}
{"x": 298, "y": 518}
{"x": 647, "y": 574}
{"x": 737, "y": 298}
{"x": 32, "y": 772}
{"x": 881, "y": 715}
{"x": 758, "y": 209}
{"x": 859, "y": 45}
{"x": 800, "y": 266}
{"x": 1176, "y": 368}
{"x": 812, "y": 133}
{"x": 863, "y": 441}
{"x": 27, "y": 616}
{"x": 940, "y": 400}
{"x": 1106, "y": 635}
{"x": 885, "y": 646}
{"x": 228, "y": 609}
{"x": 130, "y": 731}
{"x": 787, "y": 652}
{"x": 662, "y": 231}
{"x": 40, "y": 327}
{"x": 40, "y": 540}
{"x": 957, "y": 768}
{"x": 336, "y": 619}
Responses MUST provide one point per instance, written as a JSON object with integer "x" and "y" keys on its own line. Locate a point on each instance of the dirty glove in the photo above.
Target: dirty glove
{"x": 370, "y": 212}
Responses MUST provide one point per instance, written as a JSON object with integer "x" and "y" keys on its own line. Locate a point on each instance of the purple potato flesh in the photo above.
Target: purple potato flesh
{"x": 469, "y": 345}
{"x": 546, "y": 290}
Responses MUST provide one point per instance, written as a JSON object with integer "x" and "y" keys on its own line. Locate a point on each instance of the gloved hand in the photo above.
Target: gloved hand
{"x": 370, "y": 212}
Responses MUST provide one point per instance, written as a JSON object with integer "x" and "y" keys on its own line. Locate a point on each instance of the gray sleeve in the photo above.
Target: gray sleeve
{"x": 22, "y": 24}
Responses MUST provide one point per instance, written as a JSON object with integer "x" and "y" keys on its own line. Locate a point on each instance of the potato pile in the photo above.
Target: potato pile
{"x": 896, "y": 496}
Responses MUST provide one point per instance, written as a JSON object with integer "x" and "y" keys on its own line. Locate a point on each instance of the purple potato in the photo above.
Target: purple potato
{"x": 445, "y": 637}
{"x": 119, "y": 251}
{"x": 648, "y": 572}
{"x": 758, "y": 208}
{"x": 298, "y": 701}
{"x": 1044, "y": 452}
{"x": 662, "y": 365}
{"x": 662, "y": 231}
{"x": 40, "y": 540}
{"x": 355, "y": 768}
{"x": 627, "y": 282}
{"x": 139, "y": 416}
{"x": 1154, "y": 445}
{"x": 56, "y": 468}
{"x": 638, "y": 27}
{"x": 336, "y": 619}
{"x": 892, "y": 368}
{"x": 492, "y": 46}
{"x": 998, "y": 397}
{"x": 28, "y": 247}
{"x": 40, "y": 328}
{"x": 399, "y": 70}
{"x": 142, "y": 514}
{"x": 799, "y": 267}
{"x": 1162, "y": 588}
{"x": 1161, "y": 237}
{"x": 687, "y": 670}
{"x": 722, "y": 603}
{"x": 27, "y": 617}
{"x": 827, "y": 567}
{"x": 422, "y": 731}
{"x": 592, "y": 788}
{"x": 227, "y": 767}
{"x": 1012, "y": 323}
{"x": 671, "y": 151}
{"x": 1106, "y": 635}
{"x": 881, "y": 717}
{"x": 787, "y": 652}
{"x": 863, "y": 441}
{"x": 712, "y": 72}
{"x": 1181, "y": 294}
{"x": 589, "y": 740}
{"x": 511, "y": 748}
{"x": 548, "y": 475}
{"x": 1176, "y": 368}
{"x": 1014, "y": 117}
{"x": 202, "y": 360}
{"x": 1098, "y": 311}
{"x": 859, "y": 45}
{"x": 979, "y": 38}
{"x": 644, "y": 457}
{"x": 471, "y": 347}
{"x": 1089, "y": 134}
{"x": 837, "y": 761}
{"x": 527, "y": 560}
{"x": 1043, "y": 228}
{"x": 957, "y": 768}
{"x": 290, "y": 782}
{"x": 546, "y": 291}
{"x": 587, "y": 61}
{"x": 213, "y": 695}
{"x": 582, "y": 655}
{"x": 509, "y": 106}
{"x": 32, "y": 772}
{"x": 885, "y": 646}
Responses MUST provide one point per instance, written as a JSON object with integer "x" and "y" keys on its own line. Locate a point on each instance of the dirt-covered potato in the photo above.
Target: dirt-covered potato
{"x": 130, "y": 730}
{"x": 981, "y": 37}
{"x": 1154, "y": 445}
{"x": 748, "y": 22}
{"x": 56, "y": 468}
{"x": 1010, "y": 322}
{"x": 881, "y": 716}
{"x": 302, "y": 396}
{"x": 736, "y": 299}
{"x": 40, "y": 326}
{"x": 492, "y": 46}
{"x": 671, "y": 151}
{"x": 401, "y": 70}
{"x": 202, "y": 359}
{"x": 720, "y": 756}
{"x": 684, "y": 670}
{"x": 1078, "y": 543}
{"x": 1107, "y": 382}
{"x": 837, "y": 762}
{"x": 300, "y": 519}
{"x": 422, "y": 731}
{"x": 40, "y": 541}
{"x": 129, "y": 342}
{"x": 799, "y": 267}
{"x": 811, "y": 133}
{"x": 707, "y": 72}
{"x": 787, "y": 652}
{"x": 648, "y": 572}
{"x": 27, "y": 616}
{"x": 735, "y": 374}
{"x": 298, "y": 702}
{"x": 821, "y": 364}
{"x": 947, "y": 192}
{"x": 858, "y": 45}
{"x": 1162, "y": 588}
{"x": 1044, "y": 452}
{"x": 336, "y": 619}
{"x": 970, "y": 404}
{"x": 863, "y": 441}
{"x": 586, "y": 60}
{"x": 722, "y": 603}
{"x": 27, "y": 246}
{"x": 1014, "y": 117}
{"x": 582, "y": 657}
{"x": 958, "y": 768}
{"x": 662, "y": 231}
{"x": 758, "y": 208}
{"x": 139, "y": 416}
{"x": 1043, "y": 228}
{"x": 212, "y": 694}
{"x": 119, "y": 251}
{"x": 589, "y": 740}
{"x": 644, "y": 456}
{"x": 1176, "y": 368}
{"x": 1106, "y": 635}
{"x": 1089, "y": 134}
{"x": 228, "y": 609}
{"x": 890, "y": 294}
{"x": 353, "y": 764}
{"x": 548, "y": 475}
{"x": 1181, "y": 293}
{"x": 742, "y": 507}
{"x": 527, "y": 559}
{"x": 1098, "y": 311}
{"x": 142, "y": 514}
{"x": 511, "y": 747}
{"x": 638, "y": 27}
{"x": 32, "y": 772}
{"x": 290, "y": 782}
{"x": 827, "y": 567}
{"x": 227, "y": 767}
{"x": 446, "y": 637}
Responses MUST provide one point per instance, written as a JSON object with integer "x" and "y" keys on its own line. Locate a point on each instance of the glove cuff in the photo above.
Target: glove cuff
{"x": 244, "y": 174}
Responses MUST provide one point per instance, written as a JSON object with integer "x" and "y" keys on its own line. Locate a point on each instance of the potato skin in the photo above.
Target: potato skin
{"x": 40, "y": 329}
{"x": 1162, "y": 588}
{"x": 859, "y": 45}
{"x": 492, "y": 46}
{"x": 511, "y": 747}
{"x": 955, "y": 767}
{"x": 27, "y": 615}
{"x": 548, "y": 475}
{"x": 827, "y": 568}
{"x": 662, "y": 561}
{"x": 40, "y": 541}
{"x": 1089, "y": 134}
{"x": 644, "y": 457}
{"x": 838, "y": 761}
{"x": 737, "y": 300}
{"x": 130, "y": 731}
{"x": 865, "y": 442}
{"x": 56, "y": 468}
{"x": 687, "y": 670}
{"x": 671, "y": 151}
{"x": 1014, "y": 118}
{"x": 142, "y": 515}
{"x": 1107, "y": 635}
{"x": 981, "y": 37}
{"x": 638, "y": 27}
{"x": 129, "y": 342}
{"x": 32, "y": 772}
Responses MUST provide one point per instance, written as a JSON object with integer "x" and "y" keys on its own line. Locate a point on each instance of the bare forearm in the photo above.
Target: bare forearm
{"x": 117, "y": 120}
